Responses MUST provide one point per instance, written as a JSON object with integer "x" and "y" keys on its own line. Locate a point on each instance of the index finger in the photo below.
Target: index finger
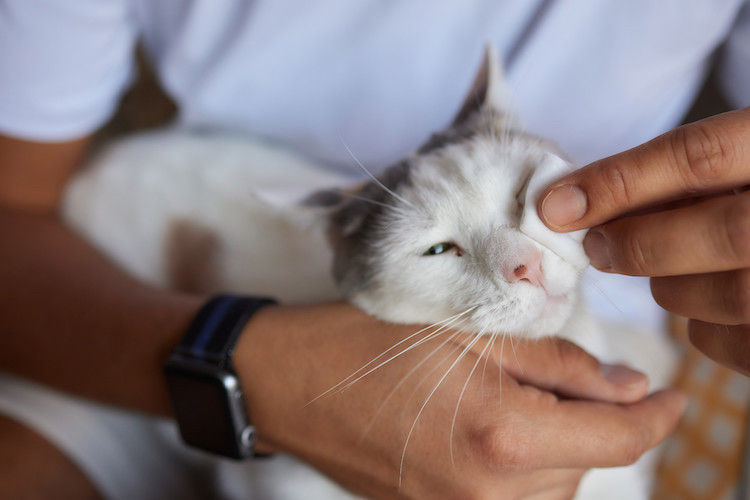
{"x": 559, "y": 366}
{"x": 594, "y": 434}
{"x": 702, "y": 157}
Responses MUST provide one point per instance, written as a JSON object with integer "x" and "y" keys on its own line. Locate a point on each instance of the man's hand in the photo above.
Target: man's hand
{"x": 674, "y": 209}
{"x": 514, "y": 436}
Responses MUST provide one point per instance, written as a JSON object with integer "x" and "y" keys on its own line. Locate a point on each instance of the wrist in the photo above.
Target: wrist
{"x": 254, "y": 362}
{"x": 287, "y": 357}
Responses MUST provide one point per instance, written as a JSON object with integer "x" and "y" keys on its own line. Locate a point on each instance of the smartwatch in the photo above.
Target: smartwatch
{"x": 204, "y": 390}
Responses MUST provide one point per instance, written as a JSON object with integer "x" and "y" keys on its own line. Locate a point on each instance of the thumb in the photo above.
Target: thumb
{"x": 703, "y": 157}
{"x": 559, "y": 366}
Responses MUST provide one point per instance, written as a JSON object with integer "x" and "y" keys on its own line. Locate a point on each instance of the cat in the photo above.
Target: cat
{"x": 450, "y": 231}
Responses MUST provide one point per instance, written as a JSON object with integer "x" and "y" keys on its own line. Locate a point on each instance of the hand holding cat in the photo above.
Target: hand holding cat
{"x": 674, "y": 209}
{"x": 510, "y": 434}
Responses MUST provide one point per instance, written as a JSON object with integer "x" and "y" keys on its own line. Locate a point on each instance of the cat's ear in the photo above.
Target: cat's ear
{"x": 365, "y": 203}
{"x": 488, "y": 90}
{"x": 325, "y": 200}
{"x": 342, "y": 207}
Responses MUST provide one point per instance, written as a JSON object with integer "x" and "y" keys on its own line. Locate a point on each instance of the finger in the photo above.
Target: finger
{"x": 562, "y": 367}
{"x": 592, "y": 434}
{"x": 705, "y": 237}
{"x": 722, "y": 298}
{"x": 705, "y": 156}
{"x": 728, "y": 345}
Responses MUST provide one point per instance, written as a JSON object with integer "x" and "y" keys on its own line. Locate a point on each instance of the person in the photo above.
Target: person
{"x": 380, "y": 78}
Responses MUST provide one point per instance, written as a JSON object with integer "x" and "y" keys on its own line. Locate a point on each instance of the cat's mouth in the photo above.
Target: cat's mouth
{"x": 556, "y": 305}
{"x": 531, "y": 315}
{"x": 556, "y": 300}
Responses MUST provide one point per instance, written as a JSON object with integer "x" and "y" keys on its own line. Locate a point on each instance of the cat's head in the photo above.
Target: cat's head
{"x": 453, "y": 229}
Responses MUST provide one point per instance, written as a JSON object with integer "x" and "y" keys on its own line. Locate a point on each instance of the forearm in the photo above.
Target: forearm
{"x": 71, "y": 319}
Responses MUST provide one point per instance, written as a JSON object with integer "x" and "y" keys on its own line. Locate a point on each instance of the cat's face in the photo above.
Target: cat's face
{"x": 452, "y": 230}
{"x": 447, "y": 239}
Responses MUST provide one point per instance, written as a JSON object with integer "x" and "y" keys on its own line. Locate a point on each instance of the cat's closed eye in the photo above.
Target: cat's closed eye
{"x": 444, "y": 247}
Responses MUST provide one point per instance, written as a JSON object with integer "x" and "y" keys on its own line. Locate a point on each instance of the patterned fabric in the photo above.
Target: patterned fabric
{"x": 702, "y": 460}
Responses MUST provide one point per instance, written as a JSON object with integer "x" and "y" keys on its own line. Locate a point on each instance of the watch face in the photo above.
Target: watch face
{"x": 209, "y": 408}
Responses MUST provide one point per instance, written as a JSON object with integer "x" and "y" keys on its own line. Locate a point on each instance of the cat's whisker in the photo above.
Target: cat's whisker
{"x": 493, "y": 337}
{"x": 418, "y": 343}
{"x": 515, "y": 355}
{"x": 427, "y": 400}
{"x": 500, "y": 371}
{"x": 362, "y": 198}
{"x": 461, "y": 395}
{"x": 406, "y": 377}
{"x": 445, "y": 323}
{"x": 459, "y": 345}
{"x": 606, "y": 297}
{"x": 371, "y": 176}
{"x": 369, "y": 363}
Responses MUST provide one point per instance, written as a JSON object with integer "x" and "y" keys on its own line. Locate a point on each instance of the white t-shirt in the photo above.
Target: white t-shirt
{"x": 596, "y": 76}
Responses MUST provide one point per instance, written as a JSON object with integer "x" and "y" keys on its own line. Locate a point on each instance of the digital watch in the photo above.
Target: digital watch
{"x": 204, "y": 390}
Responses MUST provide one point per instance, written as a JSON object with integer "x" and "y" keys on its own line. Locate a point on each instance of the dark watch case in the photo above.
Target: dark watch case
{"x": 209, "y": 406}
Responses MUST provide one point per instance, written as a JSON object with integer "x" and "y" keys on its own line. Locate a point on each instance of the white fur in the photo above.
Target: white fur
{"x": 242, "y": 190}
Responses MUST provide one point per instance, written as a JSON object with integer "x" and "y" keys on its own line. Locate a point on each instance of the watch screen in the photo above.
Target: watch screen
{"x": 200, "y": 403}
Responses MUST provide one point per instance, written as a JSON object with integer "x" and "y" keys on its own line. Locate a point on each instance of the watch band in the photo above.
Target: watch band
{"x": 204, "y": 390}
{"x": 213, "y": 333}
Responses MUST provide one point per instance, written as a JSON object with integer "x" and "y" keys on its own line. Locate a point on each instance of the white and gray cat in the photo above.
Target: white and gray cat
{"x": 451, "y": 229}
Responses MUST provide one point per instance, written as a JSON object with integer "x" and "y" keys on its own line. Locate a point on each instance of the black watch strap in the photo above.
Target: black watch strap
{"x": 213, "y": 333}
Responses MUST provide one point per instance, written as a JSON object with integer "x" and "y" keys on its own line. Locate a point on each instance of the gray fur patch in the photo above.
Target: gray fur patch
{"x": 357, "y": 227}
{"x": 480, "y": 122}
{"x": 476, "y": 99}
{"x": 442, "y": 139}
{"x": 324, "y": 198}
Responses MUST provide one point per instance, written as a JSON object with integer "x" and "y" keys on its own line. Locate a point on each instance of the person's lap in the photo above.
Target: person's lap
{"x": 32, "y": 467}
{"x": 56, "y": 446}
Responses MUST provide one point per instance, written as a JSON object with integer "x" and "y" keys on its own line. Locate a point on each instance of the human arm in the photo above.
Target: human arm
{"x": 674, "y": 209}
{"x": 71, "y": 318}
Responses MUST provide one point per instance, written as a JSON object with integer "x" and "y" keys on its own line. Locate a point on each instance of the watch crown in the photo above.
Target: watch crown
{"x": 248, "y": 436}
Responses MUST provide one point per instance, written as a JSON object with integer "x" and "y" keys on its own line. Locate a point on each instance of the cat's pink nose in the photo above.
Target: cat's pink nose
{"x": 529, "y": 270}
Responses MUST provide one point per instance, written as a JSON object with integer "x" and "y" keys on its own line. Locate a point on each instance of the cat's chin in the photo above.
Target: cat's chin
{"x": 549, "y": 318}
{"x": 555, "y": 313}
{"x": 537, "y": 314}
{"x": 557, "y": 306}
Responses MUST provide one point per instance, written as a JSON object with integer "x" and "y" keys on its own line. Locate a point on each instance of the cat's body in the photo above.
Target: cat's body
{"x": 189, "y": 215}
{"x": 451, "y": 229}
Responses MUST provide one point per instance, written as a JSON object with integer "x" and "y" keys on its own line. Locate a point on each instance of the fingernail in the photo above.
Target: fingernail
{"x": 564, "y": 205}
{"x": 596, "y": 248}
{"x": 621, "y": 375}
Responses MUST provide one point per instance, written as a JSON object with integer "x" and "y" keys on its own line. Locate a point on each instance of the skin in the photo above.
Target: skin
{"x": 674, "y": 209}
{"x": 520, "y": 440}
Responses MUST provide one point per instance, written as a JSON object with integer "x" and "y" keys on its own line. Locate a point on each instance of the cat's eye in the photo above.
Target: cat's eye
{"x": 521, "y": 192}
{"x": 441, "y": 248}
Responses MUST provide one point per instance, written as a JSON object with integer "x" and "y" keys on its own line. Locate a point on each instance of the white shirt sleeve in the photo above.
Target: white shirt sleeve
{"x": 735, "y": 64}
{"x": 63, "y": 65}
